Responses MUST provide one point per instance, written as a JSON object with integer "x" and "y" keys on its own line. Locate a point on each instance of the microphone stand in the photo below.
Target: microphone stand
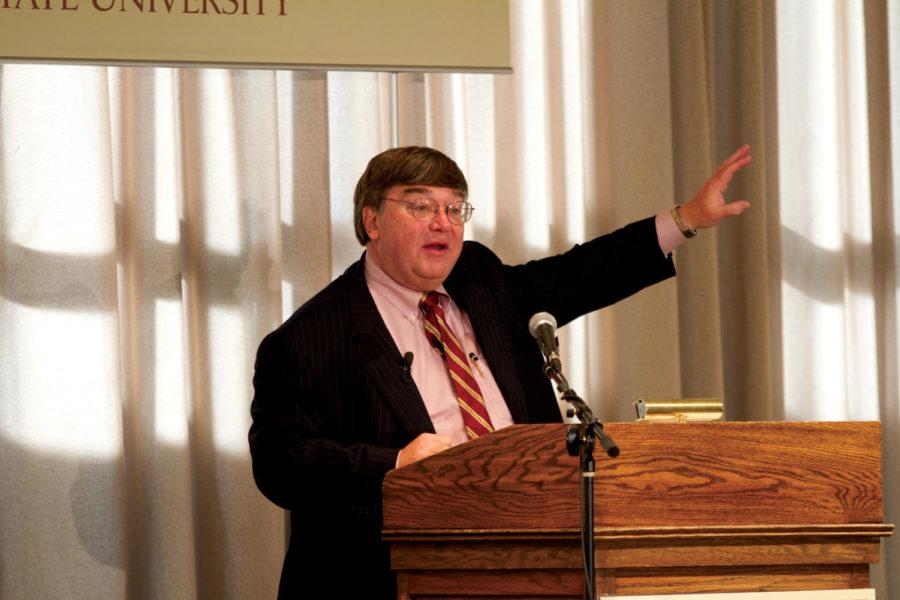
{"x": 580, "y": 440}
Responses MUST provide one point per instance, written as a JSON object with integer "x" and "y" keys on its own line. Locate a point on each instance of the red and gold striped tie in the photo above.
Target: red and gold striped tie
{"x": 468, "y": 394}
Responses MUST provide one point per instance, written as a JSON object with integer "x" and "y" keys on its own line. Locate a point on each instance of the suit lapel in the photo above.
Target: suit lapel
{"x": 487, "y": 323}
{"x": 374, "y": 347}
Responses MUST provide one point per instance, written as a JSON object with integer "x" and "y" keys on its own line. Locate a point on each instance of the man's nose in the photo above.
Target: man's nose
{"x": 441, "y": 221}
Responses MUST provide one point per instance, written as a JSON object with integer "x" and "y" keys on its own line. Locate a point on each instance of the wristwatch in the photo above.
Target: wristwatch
{"x": 684, "y": 229}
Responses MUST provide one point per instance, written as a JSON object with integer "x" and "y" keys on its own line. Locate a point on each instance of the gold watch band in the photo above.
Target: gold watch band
{"x": 684, "y": 229}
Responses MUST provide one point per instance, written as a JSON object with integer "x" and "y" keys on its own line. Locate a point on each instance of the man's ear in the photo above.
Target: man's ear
{"x": 370, "y": 222}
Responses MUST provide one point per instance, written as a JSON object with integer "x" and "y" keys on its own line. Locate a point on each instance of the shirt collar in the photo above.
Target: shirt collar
{"x": 404, "y": 299}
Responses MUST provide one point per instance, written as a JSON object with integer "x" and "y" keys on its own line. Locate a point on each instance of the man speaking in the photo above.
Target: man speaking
{"x": 420, "y": 345}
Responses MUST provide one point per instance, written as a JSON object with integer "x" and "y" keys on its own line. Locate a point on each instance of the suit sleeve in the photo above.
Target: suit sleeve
{"x": 300, "y": 453}
{"x": 594, "y": 274}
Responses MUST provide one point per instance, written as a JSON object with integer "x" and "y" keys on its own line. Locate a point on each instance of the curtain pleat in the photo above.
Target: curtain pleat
{"x": 882, "y": 22}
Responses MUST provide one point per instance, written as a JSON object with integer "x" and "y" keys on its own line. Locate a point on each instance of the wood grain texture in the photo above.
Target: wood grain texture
{"x": 499, "y": 553}
{"x": 733, "y": 579}
{"x": 517, "y": 584}
{"x": 569, "y": 584}
{"x": 678, "y": 474}
{"x": 695, "y": 507}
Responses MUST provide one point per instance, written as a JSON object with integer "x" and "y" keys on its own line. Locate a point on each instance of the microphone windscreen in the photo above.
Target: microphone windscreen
{"x": 539, "y": 319}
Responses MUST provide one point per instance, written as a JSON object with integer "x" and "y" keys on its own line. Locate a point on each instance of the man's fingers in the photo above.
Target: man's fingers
{"x": 423, "y": 446}
{"x": 438, "y": 442}
{"x": 733, "y": 209}
{"x": 708, "y": 207}
{"x": 729, "y": 168}
{"x": 738, "y": 154}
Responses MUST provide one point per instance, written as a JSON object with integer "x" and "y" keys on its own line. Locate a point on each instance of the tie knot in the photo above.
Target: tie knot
{"x": 429, "y": 301}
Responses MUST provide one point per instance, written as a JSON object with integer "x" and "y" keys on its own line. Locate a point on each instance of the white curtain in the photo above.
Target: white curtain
{"x": 839, "y": 142}
{"x": 156, "y": 223}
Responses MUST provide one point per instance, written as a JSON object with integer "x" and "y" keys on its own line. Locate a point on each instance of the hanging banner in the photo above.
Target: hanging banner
{"x": 390, "y": 35}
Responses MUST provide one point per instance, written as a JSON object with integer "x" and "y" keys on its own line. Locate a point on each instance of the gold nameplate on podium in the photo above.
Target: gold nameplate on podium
{"x": 680, "y": 411}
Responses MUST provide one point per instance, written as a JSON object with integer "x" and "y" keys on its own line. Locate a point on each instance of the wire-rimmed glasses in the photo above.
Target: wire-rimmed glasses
{"x": 426, "y": 209}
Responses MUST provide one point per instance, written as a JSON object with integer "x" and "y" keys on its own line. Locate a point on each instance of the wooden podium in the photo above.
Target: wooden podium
{"x": 686, "y": 507}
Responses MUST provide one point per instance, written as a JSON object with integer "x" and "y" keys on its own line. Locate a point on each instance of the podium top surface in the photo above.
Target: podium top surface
{"x": 718, "y": 474}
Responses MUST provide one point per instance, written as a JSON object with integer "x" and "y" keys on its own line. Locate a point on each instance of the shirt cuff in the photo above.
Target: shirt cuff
{"x": 667, "y": 232}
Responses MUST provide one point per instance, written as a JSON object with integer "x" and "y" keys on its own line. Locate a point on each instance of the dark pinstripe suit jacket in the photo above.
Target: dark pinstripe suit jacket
{"x": 331, "y": 409}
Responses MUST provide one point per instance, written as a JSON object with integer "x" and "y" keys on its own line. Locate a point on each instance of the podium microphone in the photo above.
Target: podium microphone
{"x": 542, "y": 326}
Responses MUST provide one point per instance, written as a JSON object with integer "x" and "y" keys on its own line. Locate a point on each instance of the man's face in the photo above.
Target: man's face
{"x": 416, "y": 254}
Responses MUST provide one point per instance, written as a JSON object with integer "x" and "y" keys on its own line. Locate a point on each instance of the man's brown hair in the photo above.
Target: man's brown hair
{"x": 411, "y": 165}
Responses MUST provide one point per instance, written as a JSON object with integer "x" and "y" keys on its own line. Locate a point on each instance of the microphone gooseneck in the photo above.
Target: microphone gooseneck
{"x": 580, "y": 438}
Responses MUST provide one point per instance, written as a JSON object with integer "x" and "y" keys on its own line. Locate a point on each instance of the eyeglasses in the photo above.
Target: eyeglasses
{"x": 426, "y": 209}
